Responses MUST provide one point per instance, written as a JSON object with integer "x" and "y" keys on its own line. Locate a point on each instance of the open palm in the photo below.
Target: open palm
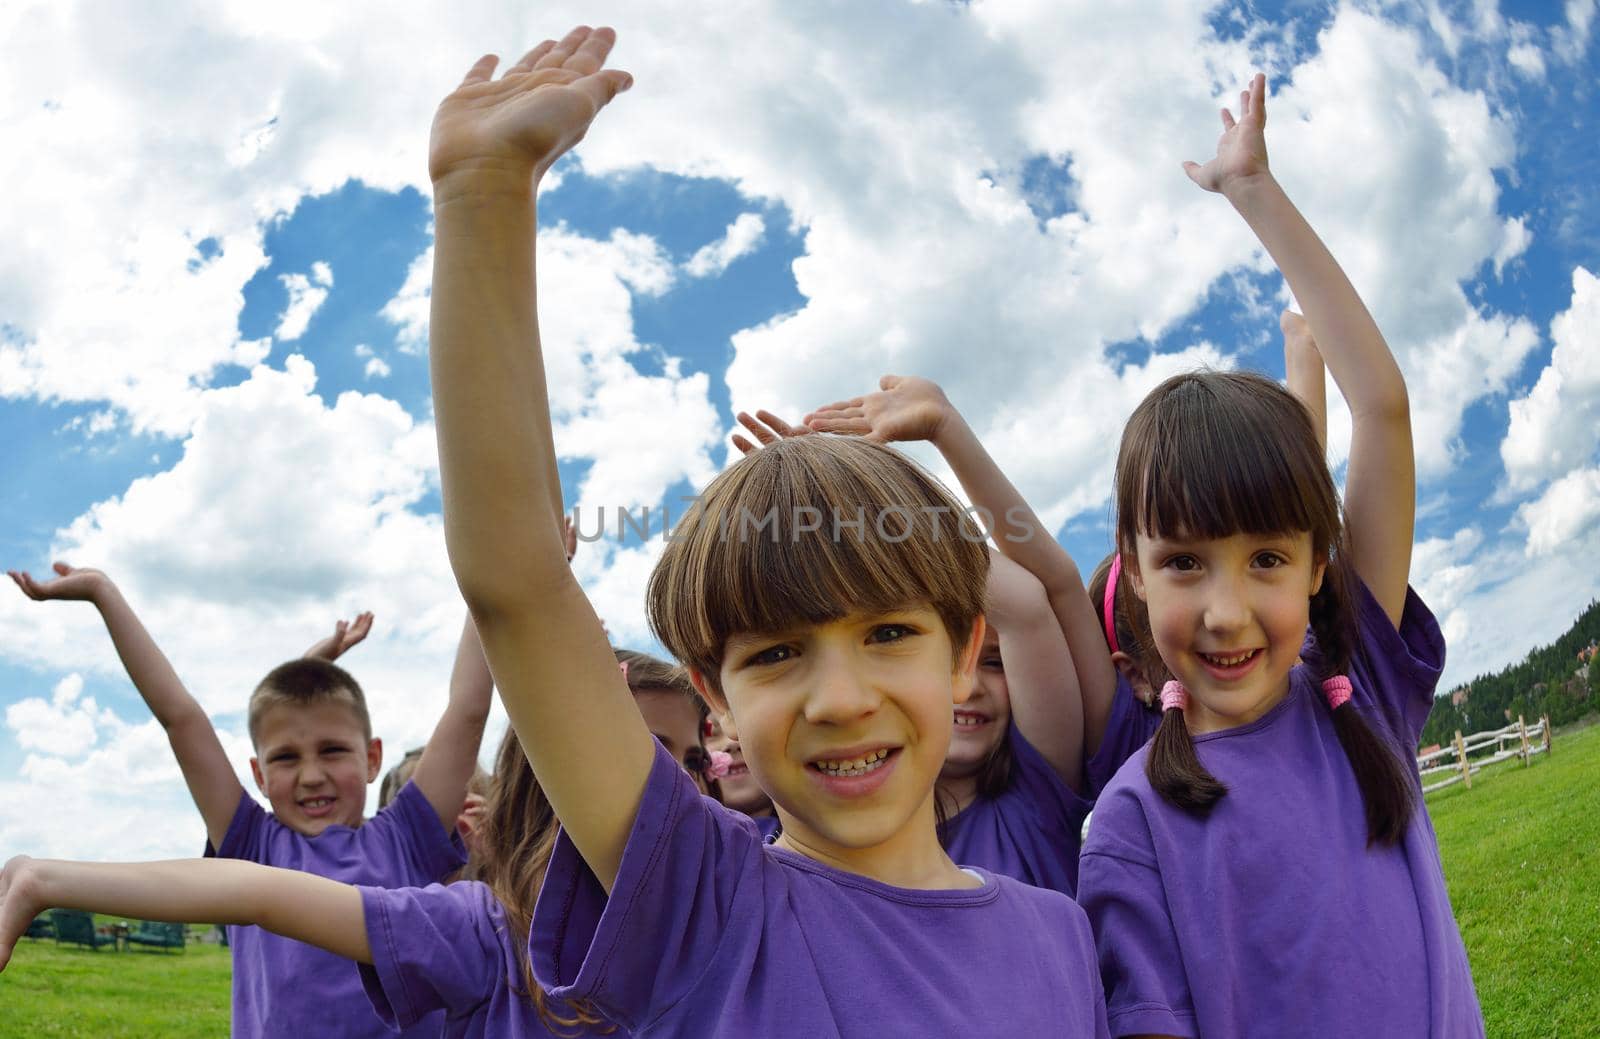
{"x": 538, "y": 109}
{"x": 904, "y": 408}
{"x": 1242, "y": 148}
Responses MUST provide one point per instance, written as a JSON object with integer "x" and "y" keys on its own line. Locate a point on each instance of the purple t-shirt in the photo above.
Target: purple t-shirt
{"x": 1129, "y": 727}
{"x": 449, "y": 949}
{"x": 709, "y": 932}
{"x": 1030, "y": 832}
{"x": 285, "y": 987}
{"x": 1273, "y": 917}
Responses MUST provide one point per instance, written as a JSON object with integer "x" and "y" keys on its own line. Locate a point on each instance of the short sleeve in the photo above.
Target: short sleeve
{"x": 1129, "y": 727}
{"x": 244, "y": 838}
{"x": 433, "y": 948}
{"x": 1141, "y": 963}
{"x": 690, "y": 874}
{"x": 1394, "y": 672}
{"x": 1059, "y": 808}
{"x": 415, "y": 839}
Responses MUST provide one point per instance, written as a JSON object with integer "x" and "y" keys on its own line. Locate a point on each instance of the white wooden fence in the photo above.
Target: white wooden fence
{"x": 1518, "y": 740}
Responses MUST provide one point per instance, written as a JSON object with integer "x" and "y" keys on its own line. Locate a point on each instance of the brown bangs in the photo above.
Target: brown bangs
{"x": 809, "y": 530}
{"x": 1211, "y": 454}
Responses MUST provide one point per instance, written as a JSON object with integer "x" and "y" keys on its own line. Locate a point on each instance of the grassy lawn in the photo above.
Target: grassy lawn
{"x": 1521, "y": 853}
{"x": 67, "y": 990}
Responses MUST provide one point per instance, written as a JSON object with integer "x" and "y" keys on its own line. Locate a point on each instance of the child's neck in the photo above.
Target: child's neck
{"x": 912, "y": 858}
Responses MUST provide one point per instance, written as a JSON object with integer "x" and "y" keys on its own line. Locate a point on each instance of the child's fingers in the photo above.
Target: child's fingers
{"x": 744, "y": 446}
{"x": 779, "y": 426}
{"x": 603, "y": 86}
{"x": 1227, "y": 120}
{"x": 556, "y": 56}
{"x": 590, "y": 56}
{"x": 481, "y": 69}
{"x": 530, "y": 59}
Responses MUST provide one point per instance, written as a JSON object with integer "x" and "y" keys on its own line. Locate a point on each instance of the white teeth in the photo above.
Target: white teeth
{"x": 970, "y": 721}
{"x": 854, "y": 766}
{"x": 1229, "y": 661}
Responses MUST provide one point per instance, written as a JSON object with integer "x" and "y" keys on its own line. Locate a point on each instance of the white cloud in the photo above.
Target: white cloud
{"x": 1570, "y": 41}
{"x": 1514, "y": 244}
{"x": 306, "y": 296}
{"x": 408, "y": 310}
{"x": 741, "y": 238}
{"x": 1527, "y": 59}
{"x": 377, "y": 368}
{"x": 1553, "y": 428}
{"x": 1568, "y": 509}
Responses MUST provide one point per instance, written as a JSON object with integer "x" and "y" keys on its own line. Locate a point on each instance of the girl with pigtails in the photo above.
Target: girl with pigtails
{"x": 1265, "y": 865}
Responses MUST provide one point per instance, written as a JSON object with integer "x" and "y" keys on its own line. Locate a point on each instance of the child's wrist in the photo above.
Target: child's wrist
{"x": 1242, "y": 190}
{"x": 486, "y": 182}
{"x": 950, "y": 426}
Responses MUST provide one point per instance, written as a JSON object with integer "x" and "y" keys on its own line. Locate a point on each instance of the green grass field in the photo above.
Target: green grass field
{"x": 1521, "y": 853}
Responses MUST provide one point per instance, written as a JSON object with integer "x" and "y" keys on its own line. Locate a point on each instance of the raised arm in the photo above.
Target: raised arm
{"x": 1045, "y": 705}
{"x": 297, "y": 905}
{"x": 909, "y": 408}
{"x": 492, "y": 142}
{"x": 451, "y": 755}
{"x": 1306, "y": 375}
{"x": 1381, "y": 484}
{"x": 212, "y": 782}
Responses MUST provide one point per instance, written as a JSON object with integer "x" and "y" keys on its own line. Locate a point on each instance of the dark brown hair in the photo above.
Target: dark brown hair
{"x": 515, "y": 841}
{"x": 1211, "y": 454}
{"x": 305, "y": 681}
{"x": 810, "y": 530}
{"x": 1131, "y": 620}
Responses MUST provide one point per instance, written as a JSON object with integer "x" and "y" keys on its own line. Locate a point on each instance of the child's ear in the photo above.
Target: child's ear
{"x": 966, "y": 676}
{"x": 711, "y": 695}
{"x": 255, "y": 773}
{"x": 374, "y": 758}
{"x": 1317, "y": 575}
{"x": 730, "y": 728}
{"x": 1134, "y": 676}
{"x": 1135, "y": 581}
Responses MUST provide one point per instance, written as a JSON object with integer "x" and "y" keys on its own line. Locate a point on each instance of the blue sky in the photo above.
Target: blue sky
{"x": 990, "y": 196}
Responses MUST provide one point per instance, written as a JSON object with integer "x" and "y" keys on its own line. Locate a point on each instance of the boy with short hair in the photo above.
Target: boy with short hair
{"x": 314, "y": 756}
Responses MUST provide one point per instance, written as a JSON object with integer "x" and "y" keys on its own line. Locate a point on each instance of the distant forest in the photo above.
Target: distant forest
{"x": 1561, "y": 680}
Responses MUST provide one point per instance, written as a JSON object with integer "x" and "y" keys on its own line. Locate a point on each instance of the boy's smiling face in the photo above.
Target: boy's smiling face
{"x": 313, "y": 762}
{"x": 846, "y": 725}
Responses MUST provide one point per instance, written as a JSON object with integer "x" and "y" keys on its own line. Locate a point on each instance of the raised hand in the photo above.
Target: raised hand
{"x": 525, "y": 120}
{"x": 905, "y": 407}
{"x": 77, "y": 583}
{"x": 1242, "y": 148}
{"x": 767, "y": 428}
{"x": 346, "y": 634}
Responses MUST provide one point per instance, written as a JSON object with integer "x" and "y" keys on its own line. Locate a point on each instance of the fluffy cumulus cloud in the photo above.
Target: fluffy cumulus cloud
{"x": 911, "y": 171}
{"x": 1553, "y": 428}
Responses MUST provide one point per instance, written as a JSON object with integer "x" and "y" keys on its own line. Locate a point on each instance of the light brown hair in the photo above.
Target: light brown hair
{"x": 810, "y": 530}
{"x": 1211, "y": 454}
{"x": 303, "y": 682}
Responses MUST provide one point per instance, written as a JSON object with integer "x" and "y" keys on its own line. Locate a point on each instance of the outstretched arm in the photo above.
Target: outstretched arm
{"x": 909, "y": 408}
{"x": 1045, "y": 705}
{"x": 1381, "y": 484}
{"x": 493, "y": 139}
{"x": 452, "y": 752}
{"x": 297, "y": 905}
{"x": 212, "y": 782}
{"x": 1306, "y": 375}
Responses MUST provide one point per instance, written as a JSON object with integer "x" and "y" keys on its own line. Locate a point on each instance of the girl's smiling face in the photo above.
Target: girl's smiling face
{"x": 1229, "y": 616}
{"x": 846, "y": 725}
{"x": 980, "y": 723}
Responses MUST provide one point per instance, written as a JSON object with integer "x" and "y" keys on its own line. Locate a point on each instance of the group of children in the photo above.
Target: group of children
{"x": 901, "y": 727}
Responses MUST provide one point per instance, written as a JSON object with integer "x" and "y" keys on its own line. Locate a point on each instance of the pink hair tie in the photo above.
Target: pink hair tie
{"x": 1174, "y": 697}
{"x": 721, "y": 761}
{"x": 1337, "y": 690}
{"x": 1108, "y": 610}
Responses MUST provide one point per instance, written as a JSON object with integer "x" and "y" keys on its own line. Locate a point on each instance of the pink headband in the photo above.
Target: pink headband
{"x": 1337, "y": 690}
{"x": 1108, "y": 609}
{"x": 1174, "y": 697}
